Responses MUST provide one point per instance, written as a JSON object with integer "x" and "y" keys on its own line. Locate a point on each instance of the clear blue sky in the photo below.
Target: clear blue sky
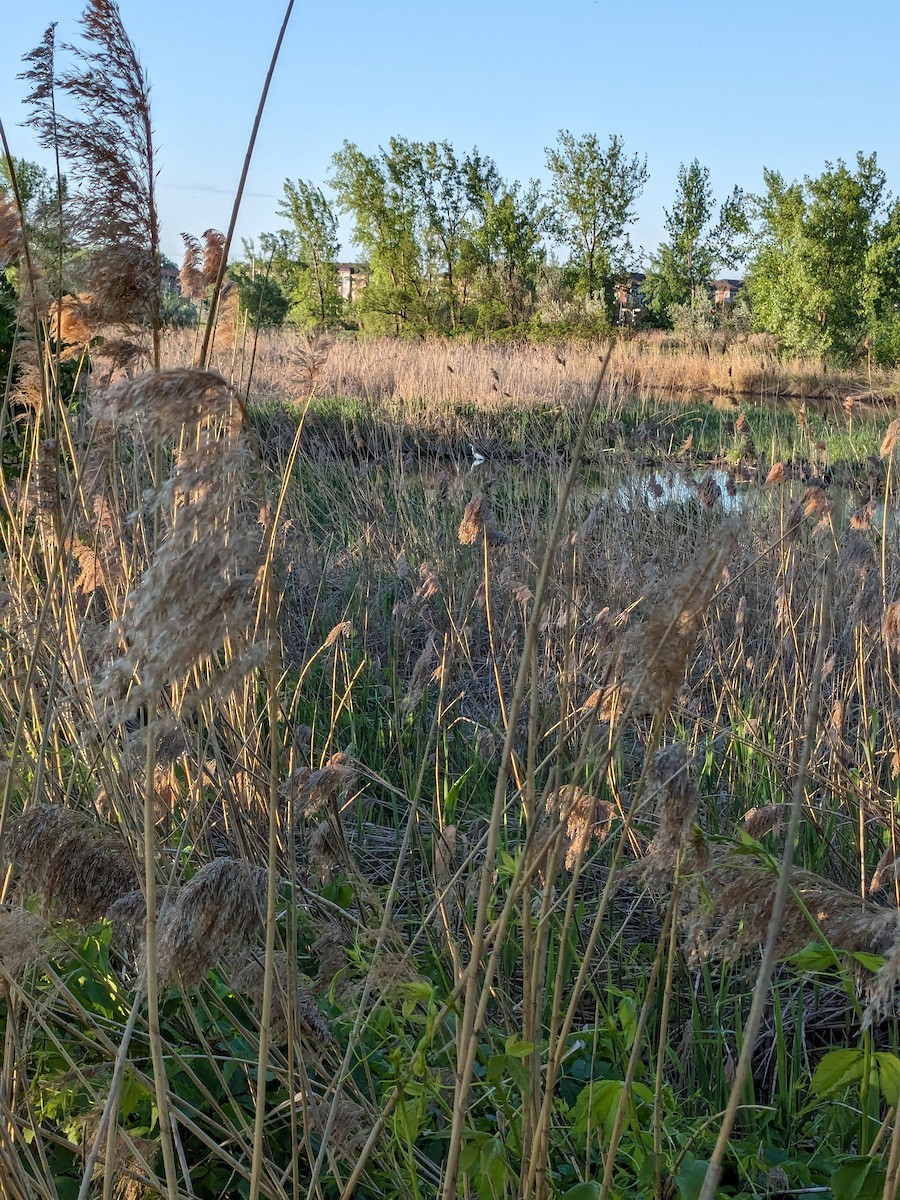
{"x": 787, "y": 84}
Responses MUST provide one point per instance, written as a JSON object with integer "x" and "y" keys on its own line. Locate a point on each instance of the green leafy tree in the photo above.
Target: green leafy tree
{"x": 435, "y": 180}
{"x": 881, "y": 291}
{"x": 504, "y": 249}
{"x": 315, "y": 299}
{"x": 594, "y": 191}
{"x": 699, "y": 242}
{"x": 818, "y": 277}
{"x": 373, "y": 193}
{"x": 47, "y": 222}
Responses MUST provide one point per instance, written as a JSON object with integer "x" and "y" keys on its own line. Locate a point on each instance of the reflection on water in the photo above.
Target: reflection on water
{"x": 655, "y": 490}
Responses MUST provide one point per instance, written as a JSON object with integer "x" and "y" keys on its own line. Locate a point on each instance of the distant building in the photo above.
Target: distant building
{"x": 170, "y": 281}
{"x": 352, "y": 278}
{"x": 724, "y": 291}
{"x": 629, "y": 298}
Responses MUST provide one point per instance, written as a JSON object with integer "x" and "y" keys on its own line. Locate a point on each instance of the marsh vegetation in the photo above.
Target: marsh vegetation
{"x": 435, "y": 769}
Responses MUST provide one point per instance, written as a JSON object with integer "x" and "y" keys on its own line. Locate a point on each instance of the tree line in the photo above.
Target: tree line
{"x": 449, "y": 246}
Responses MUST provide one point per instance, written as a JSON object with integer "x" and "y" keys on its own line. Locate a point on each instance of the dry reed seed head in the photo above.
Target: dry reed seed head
{"x": 228, "y": 312}
{"x": 834, "y": 726}
{"x": 87, "y": 874}
{"x": 429, "y": 586}
{"x": 247, "y": 977}
{"x": 585, "y": 817}
{"x": 884, "y": 994}
{"x": 709, "y": 493}
{"x": 71, "y": 322}
{"x": 124, "y": 282}
{"x": 422, "y": 674}
{"x": 672, "y": 791}
{"x": 767, "y": 818}
{"x": 349, "y": 1130}
{"x": 219, "y": 911}
{"x": 486, "y": 745}
{"x": 326, "y": 852}
{"x": 12, "y": 243}
{"x": 121, "y": 355}
{"x": 310, "y": 359}
{"x": 887, "y": 870}
{"x": 732, "y": 906}
{"x": 196, "y": 593}
{"x": 128, "y": 914}
{"x": 27, "y": 386}
{"x": 343, "y": 629}
{"x": 777, "y": 474}
{"x": 444, "y": 856}
{"x": 309, "y": 791}
{"x": 33, "y": 838}
{"x": 816, "y": 503}
{"x": 330, "y": 949}
{"x": 78, "y": 868}
{"x": 200, "y": 586}
{"x": 161, "y": 404}
{"x": 213, "y": 253}
{"x": 472, "y": 525}
{"x": 667, "y": 634}
{"x": 46, "y": 478}
{"x": 609, "y": 701}
{"x": 587, "y": 526}
{"x": 740, "y": 616}
{"x": 191, "y": 278}
{"x": 890, "y": 625}
{"x": 21, "y": 940}
{"x": 890, "y": 439}
{"x": 861, "y": 518}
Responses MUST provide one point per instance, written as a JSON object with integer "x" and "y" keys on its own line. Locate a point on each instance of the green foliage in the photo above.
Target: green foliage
{"x": 315, "y": 301}
{"x": 594, "y": 192}
{"x": 450, "y": 246}
{"x": 682, "y": 267}
{"x": 261, "y": 295}
{"x": 824, "y": 265}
